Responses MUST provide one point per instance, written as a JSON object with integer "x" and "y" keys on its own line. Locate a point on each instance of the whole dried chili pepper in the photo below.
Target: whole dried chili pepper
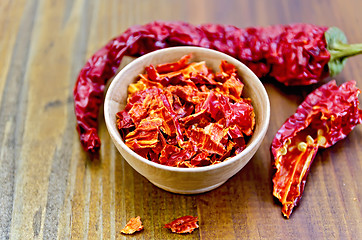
{"x": 297, "y": 54}
{"x": 326, "y": 116}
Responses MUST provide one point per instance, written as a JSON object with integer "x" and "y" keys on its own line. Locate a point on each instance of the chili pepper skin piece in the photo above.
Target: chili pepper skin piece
{"x": 185, "y": 224}
{"x": 133, "y": 225}
{"x": 327, "y": 115}
{"x": 295, "y": 54}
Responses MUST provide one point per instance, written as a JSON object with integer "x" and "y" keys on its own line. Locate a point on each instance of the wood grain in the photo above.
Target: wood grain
{"x": 50, "y": 190}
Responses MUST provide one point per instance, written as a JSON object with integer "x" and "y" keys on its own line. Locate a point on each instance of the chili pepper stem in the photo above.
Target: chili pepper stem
{"x": 342, "y": 50}
{"x": 339, "y": 50}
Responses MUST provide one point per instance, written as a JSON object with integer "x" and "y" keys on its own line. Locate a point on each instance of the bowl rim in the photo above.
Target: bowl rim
{"x": 116, "y": 136}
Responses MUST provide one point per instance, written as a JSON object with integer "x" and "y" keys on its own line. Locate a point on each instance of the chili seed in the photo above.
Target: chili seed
{"x": 283, "y": 151}
{"x": 310, "y": 140}
{"x": 321, "y": 140}
{"x": 320, "y": 132}
{"x": 302, "y": 146}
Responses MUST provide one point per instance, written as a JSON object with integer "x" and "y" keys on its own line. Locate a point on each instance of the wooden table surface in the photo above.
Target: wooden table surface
{"x": 49, "y": 188}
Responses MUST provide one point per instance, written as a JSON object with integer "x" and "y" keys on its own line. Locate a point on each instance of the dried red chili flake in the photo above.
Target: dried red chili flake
{"x": 172, "y": 67}
{"x": 185, "y": 224}
{"x": 327, "y": 115}
{"x": 133, "y": 225}
{"x": 187, "y": 115}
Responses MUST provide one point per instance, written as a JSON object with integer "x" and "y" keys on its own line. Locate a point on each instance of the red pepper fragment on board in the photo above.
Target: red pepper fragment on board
{"x": 185, "y": 123}
{"x": 133, "y": 225}
{"x": 185, "y": 224}
{"x": 297, "y": 54}
{"x": 327, "y": 115}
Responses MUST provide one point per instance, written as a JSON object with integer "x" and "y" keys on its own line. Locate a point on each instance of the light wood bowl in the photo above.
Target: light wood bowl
{"x": 186, "y": 180}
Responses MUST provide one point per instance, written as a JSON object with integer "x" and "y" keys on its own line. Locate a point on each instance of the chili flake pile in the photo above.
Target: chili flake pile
{"x": 185, "y": 115}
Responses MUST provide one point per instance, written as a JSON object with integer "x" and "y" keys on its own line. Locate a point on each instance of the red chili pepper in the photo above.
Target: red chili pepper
{"x": 327, "y": 115}
{"x": 298, "y": 54}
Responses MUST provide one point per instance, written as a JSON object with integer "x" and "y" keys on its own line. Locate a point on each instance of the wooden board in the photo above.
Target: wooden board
{"x": 50, "y": 190}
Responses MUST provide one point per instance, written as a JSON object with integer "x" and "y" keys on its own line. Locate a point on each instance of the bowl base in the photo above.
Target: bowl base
{"x": 183, "y": 191}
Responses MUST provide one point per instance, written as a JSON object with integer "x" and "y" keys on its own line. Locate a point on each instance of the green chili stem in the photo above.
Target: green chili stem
{"x": 342, "y": 50}
{"x": 339, "y": 50}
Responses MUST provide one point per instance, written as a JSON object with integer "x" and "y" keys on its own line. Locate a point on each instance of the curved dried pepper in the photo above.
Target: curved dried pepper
{"x": 326, "y": 116}
{"x": 186, "y": 224}
{"x": 174, "y": 119}
{"x": 297, "y": 54}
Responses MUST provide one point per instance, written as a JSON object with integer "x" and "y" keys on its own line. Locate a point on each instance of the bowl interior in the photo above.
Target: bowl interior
{"x": 116, "y": 96}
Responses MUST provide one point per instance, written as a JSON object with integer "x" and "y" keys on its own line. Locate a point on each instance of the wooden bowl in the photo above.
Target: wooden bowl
{"x": 186, "y": 180}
